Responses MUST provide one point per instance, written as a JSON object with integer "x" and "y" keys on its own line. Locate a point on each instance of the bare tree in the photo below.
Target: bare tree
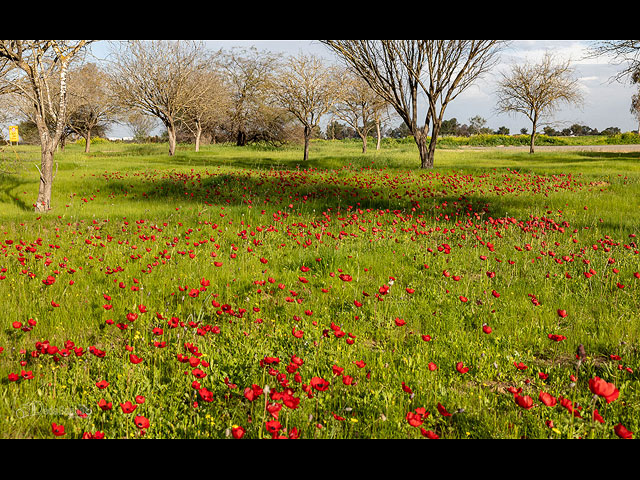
{"x": 250, "y": 74}
{"x": 621, "y": 52}
{"x": 90, "y": 107}
{"x": 207, "y": 107}
{"x": 140, "y": 124}
{"x": 307, "y": 88}
{"x": 626, "y": 53}
{"x": 537, "y": 90}
{"x": 401, "y": 70}
{"x": 37, "y": 71}
{"x": 360, "y": 107}
{"x": 154, "y": 78}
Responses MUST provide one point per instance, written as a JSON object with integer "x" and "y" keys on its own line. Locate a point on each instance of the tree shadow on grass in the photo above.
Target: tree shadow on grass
{"x": 8, "y": 185}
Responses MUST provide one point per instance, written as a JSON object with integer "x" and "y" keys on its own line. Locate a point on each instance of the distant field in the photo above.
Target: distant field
{"x": 239, "y": 292}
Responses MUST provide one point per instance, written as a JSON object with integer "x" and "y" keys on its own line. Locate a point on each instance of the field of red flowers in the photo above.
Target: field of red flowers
{"x": 198, "y": 297}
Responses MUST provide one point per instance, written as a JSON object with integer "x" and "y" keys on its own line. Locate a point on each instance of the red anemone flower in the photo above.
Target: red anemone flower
{"x": 443, "y": 411}
{"x": 141, "y": 422}
{"x": 461, "y": 368}
{"x": 603, "y": 389}
{"x": 622, "y": 431}
{"x": 525, "y": 401}
{"x": 319, "y": 384}
{"x": 547, "y": 399}
{"x": 128, "y": 407}
{"x": 57, "y": 430}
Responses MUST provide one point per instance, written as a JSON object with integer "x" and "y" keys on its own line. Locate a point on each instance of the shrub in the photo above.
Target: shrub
{"x": 623, "y": 139}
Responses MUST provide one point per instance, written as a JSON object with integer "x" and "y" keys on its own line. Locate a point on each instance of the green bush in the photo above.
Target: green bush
{"x": 623, "y": 139}
{"x": 94, "y": 140}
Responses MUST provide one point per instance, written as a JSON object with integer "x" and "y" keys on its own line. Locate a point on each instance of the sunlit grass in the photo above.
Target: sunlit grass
{"x": 439, "y": 253}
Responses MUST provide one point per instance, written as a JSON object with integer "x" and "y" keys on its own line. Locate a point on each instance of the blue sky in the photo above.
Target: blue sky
{"x": 606, "y": 102}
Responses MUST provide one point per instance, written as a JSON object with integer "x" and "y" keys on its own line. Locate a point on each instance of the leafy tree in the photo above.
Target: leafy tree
{"x": 476, "y": 124}
{"x": 450, "y": 127}
{"x": 338, "y": 131}
{"x": 401, "y": 131}
{"x": 610, "y": 131}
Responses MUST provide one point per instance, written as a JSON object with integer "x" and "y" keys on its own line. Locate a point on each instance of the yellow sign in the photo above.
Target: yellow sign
{"x": 13, "y": 134}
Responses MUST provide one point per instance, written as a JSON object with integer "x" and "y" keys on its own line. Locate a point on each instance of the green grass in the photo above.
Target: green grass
{"x": 132, "y": 226}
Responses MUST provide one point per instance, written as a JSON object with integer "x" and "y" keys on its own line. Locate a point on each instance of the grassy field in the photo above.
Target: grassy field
{"x": 243, "y": 293}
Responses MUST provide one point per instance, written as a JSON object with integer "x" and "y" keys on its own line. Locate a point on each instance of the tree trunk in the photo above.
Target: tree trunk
{"x": 378, "y": 134}
{"x": 87, "y": 144}
{"x": 307, "y": 138}
{"x": 241, "y": 139}
{"x": 426, "y": 151}
{"x": 43, "y": 203}
{"x": 198, "y": 134}
{"x": 172, "y": 139}
{"x": 364, "y": 143}
{"x": 533, "y": 139}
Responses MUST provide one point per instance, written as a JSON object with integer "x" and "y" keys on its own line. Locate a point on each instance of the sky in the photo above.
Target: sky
{"x": 606, "y": 103}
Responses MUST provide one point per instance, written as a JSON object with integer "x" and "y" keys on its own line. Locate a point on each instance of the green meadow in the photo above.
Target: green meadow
{"x": 239, "y": 292}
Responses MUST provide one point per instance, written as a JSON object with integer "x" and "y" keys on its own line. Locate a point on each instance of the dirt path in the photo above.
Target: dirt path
{"x": 565, "y": 148}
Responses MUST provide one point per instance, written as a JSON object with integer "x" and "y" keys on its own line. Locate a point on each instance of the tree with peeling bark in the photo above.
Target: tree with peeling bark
{"x": 400, "y": 71}
{"x": 537, "y": 90}
{"x": 34, "y": 70}
{"x": 154, "y": 77}
{"x": 308, "y": 89}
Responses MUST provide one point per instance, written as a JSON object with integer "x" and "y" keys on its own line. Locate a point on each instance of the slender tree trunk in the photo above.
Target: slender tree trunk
{"x": 43, "y": 203}
{"x": 87, "y": 144}
{"x": 533, "y": 139}
{"x": 171, "y": 130}
{"x": 307, "y": 138}
{"x": 198, "y": 134}
{"x": 378, "y": 134}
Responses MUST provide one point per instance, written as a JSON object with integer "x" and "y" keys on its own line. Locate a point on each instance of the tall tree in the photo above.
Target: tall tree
{"x": 154, "y": 78}
{"x": 37, "y": 71}
{"x": 537, "y": 90}
{"x": 402, "y": 70}
{"x": 307, "y": 88}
